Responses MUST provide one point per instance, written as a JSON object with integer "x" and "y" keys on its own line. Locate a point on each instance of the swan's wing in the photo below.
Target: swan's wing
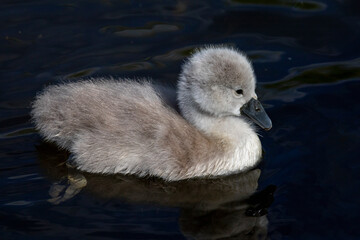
{"x": 114, "y": 126}
{"x": 61, "y": 112}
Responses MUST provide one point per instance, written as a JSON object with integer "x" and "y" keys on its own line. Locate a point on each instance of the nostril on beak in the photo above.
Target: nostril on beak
{"x": 257, "y": 107}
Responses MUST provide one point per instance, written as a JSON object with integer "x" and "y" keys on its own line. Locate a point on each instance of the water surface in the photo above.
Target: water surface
{"x": 306, "y": 56}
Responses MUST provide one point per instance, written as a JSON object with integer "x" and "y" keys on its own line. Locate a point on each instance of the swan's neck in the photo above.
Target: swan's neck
{"x": 242, "y": 147}
{"x": 232, "y": 128}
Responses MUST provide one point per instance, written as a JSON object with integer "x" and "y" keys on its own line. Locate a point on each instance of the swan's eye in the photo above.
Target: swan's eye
{"x": 239, "y": 92}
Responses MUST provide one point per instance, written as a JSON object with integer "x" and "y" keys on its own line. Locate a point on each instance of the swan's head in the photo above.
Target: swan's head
{"x": 220, "y": 81}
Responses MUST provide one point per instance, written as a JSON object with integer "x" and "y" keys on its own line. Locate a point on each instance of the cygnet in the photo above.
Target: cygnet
{"x": 124, "y": 126}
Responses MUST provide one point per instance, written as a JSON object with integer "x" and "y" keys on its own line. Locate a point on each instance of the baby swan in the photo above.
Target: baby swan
{"x": 125, "y": 127}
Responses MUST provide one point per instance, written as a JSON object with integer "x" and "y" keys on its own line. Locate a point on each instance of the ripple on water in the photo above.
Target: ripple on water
{"x": 298, "y": 5}
{"x": 82, "y": 73}
{"x": 174, "y": 56}
{"x": 159, "y": 60}
{"x": 150, "y": 29}
{"x": 134, "y": 66}
{"x": 18, "y": 203}
{"x": 264, "y": 56}
{"x": 18, "y": 132}
{"x": 313, "y": 75}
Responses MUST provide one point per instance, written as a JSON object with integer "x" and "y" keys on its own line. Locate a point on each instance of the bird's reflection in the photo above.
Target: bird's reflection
{"x": 221, "y": 208}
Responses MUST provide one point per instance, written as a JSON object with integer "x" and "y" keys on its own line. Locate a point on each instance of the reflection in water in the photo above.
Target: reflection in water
{"x": 210, "y": 208}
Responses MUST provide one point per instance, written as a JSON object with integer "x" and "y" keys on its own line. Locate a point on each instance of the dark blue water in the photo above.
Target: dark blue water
{"x": 306, "y": 56}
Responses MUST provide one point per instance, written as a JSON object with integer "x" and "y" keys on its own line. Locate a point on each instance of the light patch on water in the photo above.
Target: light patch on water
{"x": 18, "y": 203}
{"x": 21, "y": 176}
{"x": 295, "y": 5}
{"x": 19, "y": 132}
{"x": 147, "y": 30}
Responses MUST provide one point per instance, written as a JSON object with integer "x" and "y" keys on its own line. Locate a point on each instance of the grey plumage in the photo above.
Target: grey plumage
{"x": 123, "y": 126}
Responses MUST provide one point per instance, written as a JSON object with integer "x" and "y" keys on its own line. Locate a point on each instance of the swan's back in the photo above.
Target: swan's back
{"x": 105, "y": 121}
{"x": 63, "y": 111}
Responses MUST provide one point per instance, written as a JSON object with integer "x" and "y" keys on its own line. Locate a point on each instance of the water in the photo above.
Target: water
{"x": 306, "y": 58}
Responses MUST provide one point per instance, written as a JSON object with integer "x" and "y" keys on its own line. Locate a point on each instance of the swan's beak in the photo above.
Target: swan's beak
{"x": 255, "y": 111}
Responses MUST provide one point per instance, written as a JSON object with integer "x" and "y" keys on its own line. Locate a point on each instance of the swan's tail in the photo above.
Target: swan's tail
{"x": 50, "y": 116}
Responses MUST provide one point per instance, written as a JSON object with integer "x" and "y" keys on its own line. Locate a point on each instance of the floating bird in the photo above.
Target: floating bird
{"x": 124, "y": 126}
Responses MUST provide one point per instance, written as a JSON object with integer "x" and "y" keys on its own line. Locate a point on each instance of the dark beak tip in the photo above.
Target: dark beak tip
{"x": 268, "y": 128}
